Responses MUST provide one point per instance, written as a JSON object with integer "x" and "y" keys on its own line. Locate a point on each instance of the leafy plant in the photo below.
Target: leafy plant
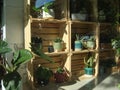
{"x": 36, "y": 40}
{"x": 91, "y": 38}
{"x": 46, "y": 3}
{"x": 60, "y": 70}
{"x": 58, "y": 39}
{"x": 43, "y": 75}
{"x": 77, "y": 37}
{"x": 38, "y": 51}
{"x": 89, "y": 61}
{"x": 36, "y": 9}
{"x": 116, "y": 45}
{"x": 48, "y": 6}
{"x": 60, "y": 75}
{"x": 12, "y": 78}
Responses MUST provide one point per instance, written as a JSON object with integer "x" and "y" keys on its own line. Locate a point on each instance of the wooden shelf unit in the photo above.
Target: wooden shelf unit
{"x": 62, "y": 27}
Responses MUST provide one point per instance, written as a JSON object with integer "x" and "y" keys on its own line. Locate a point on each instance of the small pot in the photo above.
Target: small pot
{"x": 89, "y": 71}
{"x": 90, "y": 44}
{"x": 79, "y": 16}
{"x": 57, "y": 46}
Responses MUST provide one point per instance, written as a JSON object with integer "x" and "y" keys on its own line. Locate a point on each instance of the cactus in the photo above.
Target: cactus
{"x": 89, "y": 62}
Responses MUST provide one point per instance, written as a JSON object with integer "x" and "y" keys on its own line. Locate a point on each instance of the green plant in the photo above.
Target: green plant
{"x": 47, "y": 4}
{"x": 60, "y": 70}
{"x": 91, "y": 38}
{"x": 36, "y": 9}
{"x": 77, "y": 37}
{"x": 36, "y": 42}
{"x": 12, "y": 79}
{"x": 116, "y": 45}
{"x": 58, "y": 39}
{"x": 43, "y": 74}
{"x": 89, "y": 61}
{"x": 38, "y": 51}
{"x": 60, "y": 75}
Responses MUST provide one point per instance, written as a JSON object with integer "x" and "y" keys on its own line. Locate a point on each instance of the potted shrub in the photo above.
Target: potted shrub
{"x": 57, "y": 44}
{"x": 43, "y": 75}
{"x": 78, "y": 43}
{"x": 60, "y": 75}
{"x": 12, "y": 79}
{"x": 89, "y": 64}
{"x": 46, "y": 6}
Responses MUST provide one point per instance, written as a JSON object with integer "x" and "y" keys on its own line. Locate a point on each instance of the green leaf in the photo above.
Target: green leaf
{"x": 21, "y": 56}
{"x": 4, "y": 47}
{"x": 12, "y": 81}
{"x": 38, "y": 51}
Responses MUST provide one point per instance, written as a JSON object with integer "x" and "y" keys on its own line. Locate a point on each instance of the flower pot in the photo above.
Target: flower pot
{"x": 49, "y": 14}
{"x": 78, "y": 45}
{"x": 90, "y": 44}
{"x": 57, "y": 46}
{"x": 60, "y": 77}
{"x": 79, "y": 16}
{"x": 89, "y": 71}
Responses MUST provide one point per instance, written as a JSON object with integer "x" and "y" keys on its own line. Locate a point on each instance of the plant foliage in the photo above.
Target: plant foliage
{"x": 12, "y": 78}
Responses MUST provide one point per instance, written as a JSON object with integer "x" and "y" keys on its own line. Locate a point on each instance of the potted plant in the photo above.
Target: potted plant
{"x": 37, "y": 12}
{"x": 46, "y": 6}
{"x": 89, "y": 64}
{"x": 116, "y": 46}
{"x": 43, "y": 75}
{"x": 37, "y": 50}
{"x": 12, "y": 79}
{"x": 82, "y": 15}
{"x": 78, "y": 43}
{"x": 60, "y": 75}
{"x": 57, "y": 44}
{"x": 36, "y": 41}
{"x": 90, "y": 42}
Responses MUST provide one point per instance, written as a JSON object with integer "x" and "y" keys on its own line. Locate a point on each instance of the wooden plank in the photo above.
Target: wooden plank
{"x": 77, "y": 62}
{"x": 45, "y": 30}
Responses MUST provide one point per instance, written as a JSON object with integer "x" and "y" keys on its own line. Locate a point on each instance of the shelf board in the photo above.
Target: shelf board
{"x": 105, "y": 23}
{"x": 84, "y": 77}
{"x": 106, "y": 50}
{"x": 48, "y": 20}
{"x": 56, "y": 53}
{"x": 106, "y": 58}
{"x": 84, "y": 22}
{"x": 84, "y": 51}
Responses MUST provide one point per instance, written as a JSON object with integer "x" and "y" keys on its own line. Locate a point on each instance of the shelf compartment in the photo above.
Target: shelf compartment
{"x": 77, "y": 64}
{"x": 48, "y": 32}
{"x": 83, "y": 29}
{"x": 58, "y": 7}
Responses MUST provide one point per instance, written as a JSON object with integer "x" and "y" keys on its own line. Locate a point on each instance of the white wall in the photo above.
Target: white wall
{"x": 14, "y": 11}
{"x": 14, "y": 27}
